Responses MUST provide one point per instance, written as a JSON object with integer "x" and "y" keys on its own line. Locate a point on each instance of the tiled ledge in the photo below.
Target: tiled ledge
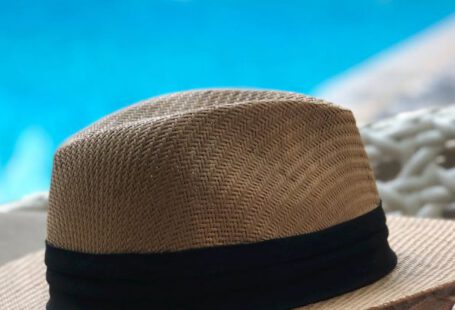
{"x": 419, "y": 72}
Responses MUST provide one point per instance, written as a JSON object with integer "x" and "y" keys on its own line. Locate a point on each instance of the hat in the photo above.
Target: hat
{"x": 225, "y": 199}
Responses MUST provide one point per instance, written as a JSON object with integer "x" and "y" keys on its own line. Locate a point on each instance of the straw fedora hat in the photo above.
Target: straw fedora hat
{"x": 225, "y": 199}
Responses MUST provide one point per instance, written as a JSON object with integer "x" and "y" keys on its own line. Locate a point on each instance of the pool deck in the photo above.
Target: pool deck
{"x": 417, "y": 73}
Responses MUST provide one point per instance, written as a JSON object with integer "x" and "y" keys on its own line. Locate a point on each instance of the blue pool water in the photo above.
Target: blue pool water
{"x": 63, "y": 64}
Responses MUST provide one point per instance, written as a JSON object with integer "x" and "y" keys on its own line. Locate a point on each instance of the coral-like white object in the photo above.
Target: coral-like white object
{"x": 413, "y": 156}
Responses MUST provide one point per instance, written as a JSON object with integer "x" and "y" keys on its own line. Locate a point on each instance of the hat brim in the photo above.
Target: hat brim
{"x": 426, "y": 263}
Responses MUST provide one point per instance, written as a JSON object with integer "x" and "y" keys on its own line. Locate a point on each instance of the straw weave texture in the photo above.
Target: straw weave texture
{"x": 206, "y": 168}
{"x": 23, "y": 283}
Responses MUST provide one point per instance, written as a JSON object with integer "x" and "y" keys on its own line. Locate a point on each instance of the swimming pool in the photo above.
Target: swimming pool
{"x": 65, "y": 64}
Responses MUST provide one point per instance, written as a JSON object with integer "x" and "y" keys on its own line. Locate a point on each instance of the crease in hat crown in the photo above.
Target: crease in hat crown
{"x": 208, "y": 168}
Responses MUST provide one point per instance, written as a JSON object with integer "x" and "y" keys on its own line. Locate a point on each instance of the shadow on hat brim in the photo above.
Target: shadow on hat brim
{"x": 426, "y": 256}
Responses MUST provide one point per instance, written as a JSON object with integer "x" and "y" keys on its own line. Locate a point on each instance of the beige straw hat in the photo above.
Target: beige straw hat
{"x": 226, "y": 199}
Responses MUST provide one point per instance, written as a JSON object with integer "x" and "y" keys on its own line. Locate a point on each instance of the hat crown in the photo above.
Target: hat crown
{"x": 207, "y": 168}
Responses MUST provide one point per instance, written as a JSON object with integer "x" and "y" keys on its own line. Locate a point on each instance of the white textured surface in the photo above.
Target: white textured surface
{"x": 413, "y": 155}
